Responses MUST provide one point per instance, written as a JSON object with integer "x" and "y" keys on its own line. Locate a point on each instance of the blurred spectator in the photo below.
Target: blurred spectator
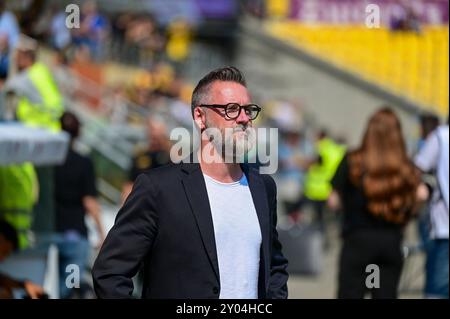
{"x": 157, "y": 154}
{"x": 163, "y": 77}
{"x": 9, "y": 35}
{"x": 40, "y": 101}
{"x": 4, "y": 58}
{"x": 379, "y": 188}
{"x": 318, "y": 177}
{"x": 428, "y": 123}
{"x": 178, "y": 40}
{"x": 75, "y": 195}
{"x": 60, "y": 37}
{"x": 8, "y": 244}
{"x": 120, "y": 24}
{"x": 119, "y": 27}
{"x": 295, "y": 155}
{"x": 19, "y": 192}
{"x": 137, "y": 39}
{"x": 9, "y": 25}
{"x": 153, "y": 89}
{"x": 433, "y": 157}
{"x": 404, "y": 17}
{"x": 142, "y": 32}
{"x": 40, "y": 104}
{"x": 93, "y": 31}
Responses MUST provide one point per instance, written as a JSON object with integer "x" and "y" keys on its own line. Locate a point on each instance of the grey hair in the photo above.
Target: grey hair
{"x": 225, "y": 74}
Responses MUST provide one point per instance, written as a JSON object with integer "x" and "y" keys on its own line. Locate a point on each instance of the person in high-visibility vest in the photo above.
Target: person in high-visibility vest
{"x": 40, "y": 103}
{"x": 179, "y": 40}
{"x": 18, "y": 193}
{"x": 317, "y": 182}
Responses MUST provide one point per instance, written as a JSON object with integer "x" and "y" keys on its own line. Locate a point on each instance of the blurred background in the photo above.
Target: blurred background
{"x": 123, "y": 77}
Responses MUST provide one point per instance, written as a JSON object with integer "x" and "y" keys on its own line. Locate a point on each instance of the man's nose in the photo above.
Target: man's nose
{"x": 243, "y": 117}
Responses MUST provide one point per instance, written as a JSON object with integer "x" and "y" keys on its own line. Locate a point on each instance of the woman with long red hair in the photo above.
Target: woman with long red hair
{"x": 379, "y": 189}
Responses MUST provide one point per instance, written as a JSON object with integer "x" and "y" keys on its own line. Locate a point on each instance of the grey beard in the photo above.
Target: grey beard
{"x": 231, "y": 148}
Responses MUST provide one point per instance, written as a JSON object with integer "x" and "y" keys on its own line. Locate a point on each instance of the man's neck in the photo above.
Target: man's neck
{"x": 219, "y": 170}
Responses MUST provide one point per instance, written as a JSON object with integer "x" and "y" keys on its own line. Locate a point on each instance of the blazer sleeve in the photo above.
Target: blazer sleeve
{"x": 127, "y": 243}
{"x": 278, "y": 264}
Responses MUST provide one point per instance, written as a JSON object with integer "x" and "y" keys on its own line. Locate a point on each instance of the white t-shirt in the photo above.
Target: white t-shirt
{"x": 238, "y": 237}
{"x": 434, "y": 155}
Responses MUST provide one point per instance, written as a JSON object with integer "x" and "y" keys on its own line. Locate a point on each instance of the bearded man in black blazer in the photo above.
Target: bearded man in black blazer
{"x": 205, "y": 227}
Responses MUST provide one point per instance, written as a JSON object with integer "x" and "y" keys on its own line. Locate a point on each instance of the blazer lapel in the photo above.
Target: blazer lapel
{"x": 259, "y": 195}
{"x": 195, "y": 188}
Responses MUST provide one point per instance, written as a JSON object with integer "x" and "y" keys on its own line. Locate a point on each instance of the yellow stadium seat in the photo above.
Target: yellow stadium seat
{"x": 406, "y": 63}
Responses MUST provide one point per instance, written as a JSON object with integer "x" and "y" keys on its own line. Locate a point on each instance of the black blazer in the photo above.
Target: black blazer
{"x": 166, "y": 226}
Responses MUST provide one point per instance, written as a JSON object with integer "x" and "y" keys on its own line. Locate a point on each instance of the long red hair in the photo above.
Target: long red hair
{"x": 382, "y": 168}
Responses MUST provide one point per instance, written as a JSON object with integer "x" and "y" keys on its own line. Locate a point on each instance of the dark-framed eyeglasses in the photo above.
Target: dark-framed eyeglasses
{"x": 232, "y": 110}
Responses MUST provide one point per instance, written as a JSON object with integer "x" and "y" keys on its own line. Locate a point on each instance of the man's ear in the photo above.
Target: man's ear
{"x": 200, "y": 118}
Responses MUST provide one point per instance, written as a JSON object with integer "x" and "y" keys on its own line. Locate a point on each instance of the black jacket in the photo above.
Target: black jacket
{"x": 166, "y": 224}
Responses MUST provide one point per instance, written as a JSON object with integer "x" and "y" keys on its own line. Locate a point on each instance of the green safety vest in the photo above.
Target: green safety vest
{"x": 318, "y": 177}
{"x": 48, "y": 113}
{"x": 18, "y": 186}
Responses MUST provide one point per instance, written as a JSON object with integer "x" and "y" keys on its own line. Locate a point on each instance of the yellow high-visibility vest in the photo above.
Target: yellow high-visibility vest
{"x": 48, "y": 113}
{"x": 319, "y": 175}
{"x": 18, "y": 191}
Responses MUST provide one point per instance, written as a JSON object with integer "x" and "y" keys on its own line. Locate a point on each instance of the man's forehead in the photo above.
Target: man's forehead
{"x": 232, "y": 91}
